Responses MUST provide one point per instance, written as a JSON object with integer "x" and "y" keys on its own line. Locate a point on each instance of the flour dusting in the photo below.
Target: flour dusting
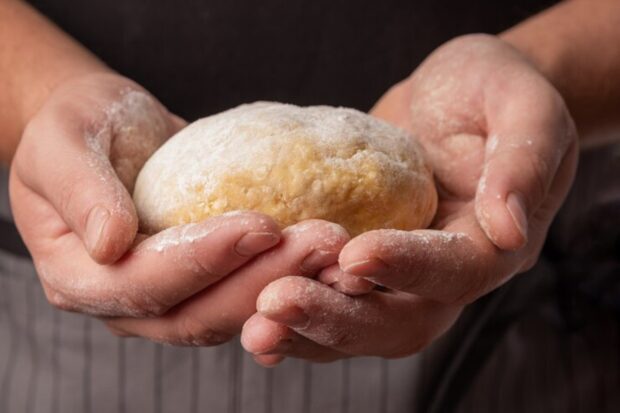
{"x": 132, "y": 128}
{"x": 291, "y": 162}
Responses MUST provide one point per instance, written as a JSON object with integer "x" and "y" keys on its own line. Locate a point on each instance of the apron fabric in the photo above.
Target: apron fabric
{"x": 542, "y": 342}
{"x": 521, "y": 348}
{"x": 204, "y": 56}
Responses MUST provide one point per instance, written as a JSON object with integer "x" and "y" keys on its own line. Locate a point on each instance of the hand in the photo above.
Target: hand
{"x": 70, "y": 185}
{"x": 504, "y": 151}
{"x": 217, "y": 313}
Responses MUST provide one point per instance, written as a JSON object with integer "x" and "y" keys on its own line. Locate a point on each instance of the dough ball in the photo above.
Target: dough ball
{"x": 292, "y": 163}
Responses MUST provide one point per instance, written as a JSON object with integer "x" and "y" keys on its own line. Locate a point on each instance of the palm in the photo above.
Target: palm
{"x": 454, "y": 149}
{"x": 460, "y": 103}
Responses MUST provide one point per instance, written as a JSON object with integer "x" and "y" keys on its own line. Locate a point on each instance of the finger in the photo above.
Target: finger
{"x": 394, "y": 105}
{"x": 219, "y": 312}
{"x": 157, "y": 274}
{"x": 455, "y": 266}
{"x": 263, "y": 337}
{"x": 380, "y": 324}
{"x": 523, "y": 152}
{"x": 178, "y": 122}
{"x": 268, "y": 360}
{"x": 344, "y": 282}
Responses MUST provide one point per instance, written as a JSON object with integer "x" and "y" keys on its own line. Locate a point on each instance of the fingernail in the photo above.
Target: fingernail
{"x": 95, "y": 226}
{"x": 367, "y": 268}
{"x": 292, "y": 317}
{"x": 254, "y": 242}
{"x": 318, "y": 259}
{"x": 353, "y": 286}
{"x": 516, "y": 208}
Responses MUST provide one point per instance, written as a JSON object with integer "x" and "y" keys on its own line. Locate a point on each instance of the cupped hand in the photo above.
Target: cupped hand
{"x": 194, "y": 284}
{"x": 70, "y": 186}
{"x": 504, "y": 151}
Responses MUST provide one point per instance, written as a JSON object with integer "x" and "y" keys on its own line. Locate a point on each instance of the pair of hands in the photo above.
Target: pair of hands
{"x": 504, "y": 151}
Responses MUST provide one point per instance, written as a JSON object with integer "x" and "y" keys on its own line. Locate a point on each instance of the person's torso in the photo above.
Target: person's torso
{"x": 199, "y": 56}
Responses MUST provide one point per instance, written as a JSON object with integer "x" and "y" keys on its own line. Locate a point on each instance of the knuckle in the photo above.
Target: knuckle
{"x": 59, "y": 300}
{"x": 204, "y": 268}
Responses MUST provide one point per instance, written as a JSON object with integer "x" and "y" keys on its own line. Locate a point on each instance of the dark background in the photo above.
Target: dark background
{"x": 200, "y": 57}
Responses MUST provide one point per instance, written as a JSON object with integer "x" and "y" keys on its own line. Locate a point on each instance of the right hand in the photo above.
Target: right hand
{"x": 70, "y": 187}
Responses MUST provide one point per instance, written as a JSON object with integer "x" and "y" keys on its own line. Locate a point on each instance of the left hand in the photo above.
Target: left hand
{"x": 504, "y": 151}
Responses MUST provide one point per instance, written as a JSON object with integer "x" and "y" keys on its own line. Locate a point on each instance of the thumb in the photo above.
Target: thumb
{"x": 394, "y": 106}
{"x": 525, "y": 147}
{"x": 69, "y": 167}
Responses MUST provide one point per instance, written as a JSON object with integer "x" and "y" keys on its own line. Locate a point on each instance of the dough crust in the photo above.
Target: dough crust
{"x": 292, "y": 163}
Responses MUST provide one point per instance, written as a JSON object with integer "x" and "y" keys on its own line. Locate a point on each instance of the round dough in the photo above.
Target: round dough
{"x": 292, "y": 163}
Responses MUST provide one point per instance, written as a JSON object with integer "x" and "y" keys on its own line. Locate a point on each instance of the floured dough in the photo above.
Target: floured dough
{"x": 292, "y": 163}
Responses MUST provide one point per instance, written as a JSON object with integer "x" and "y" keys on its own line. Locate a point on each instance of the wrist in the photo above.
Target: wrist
{"x": 568, "y": 45}
{"x": 28, "y": 97}
{"x": 37, "y": 58}
{"x": 543, "y": 56}
{"x": 31, "y": 95}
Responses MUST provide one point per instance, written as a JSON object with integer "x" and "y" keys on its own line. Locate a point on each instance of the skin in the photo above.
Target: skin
{"x": 64, "y": 133}
{"x": 502, "y": 171}
{"x": 59, "y": 94}
{"x": 502, "y": 104}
